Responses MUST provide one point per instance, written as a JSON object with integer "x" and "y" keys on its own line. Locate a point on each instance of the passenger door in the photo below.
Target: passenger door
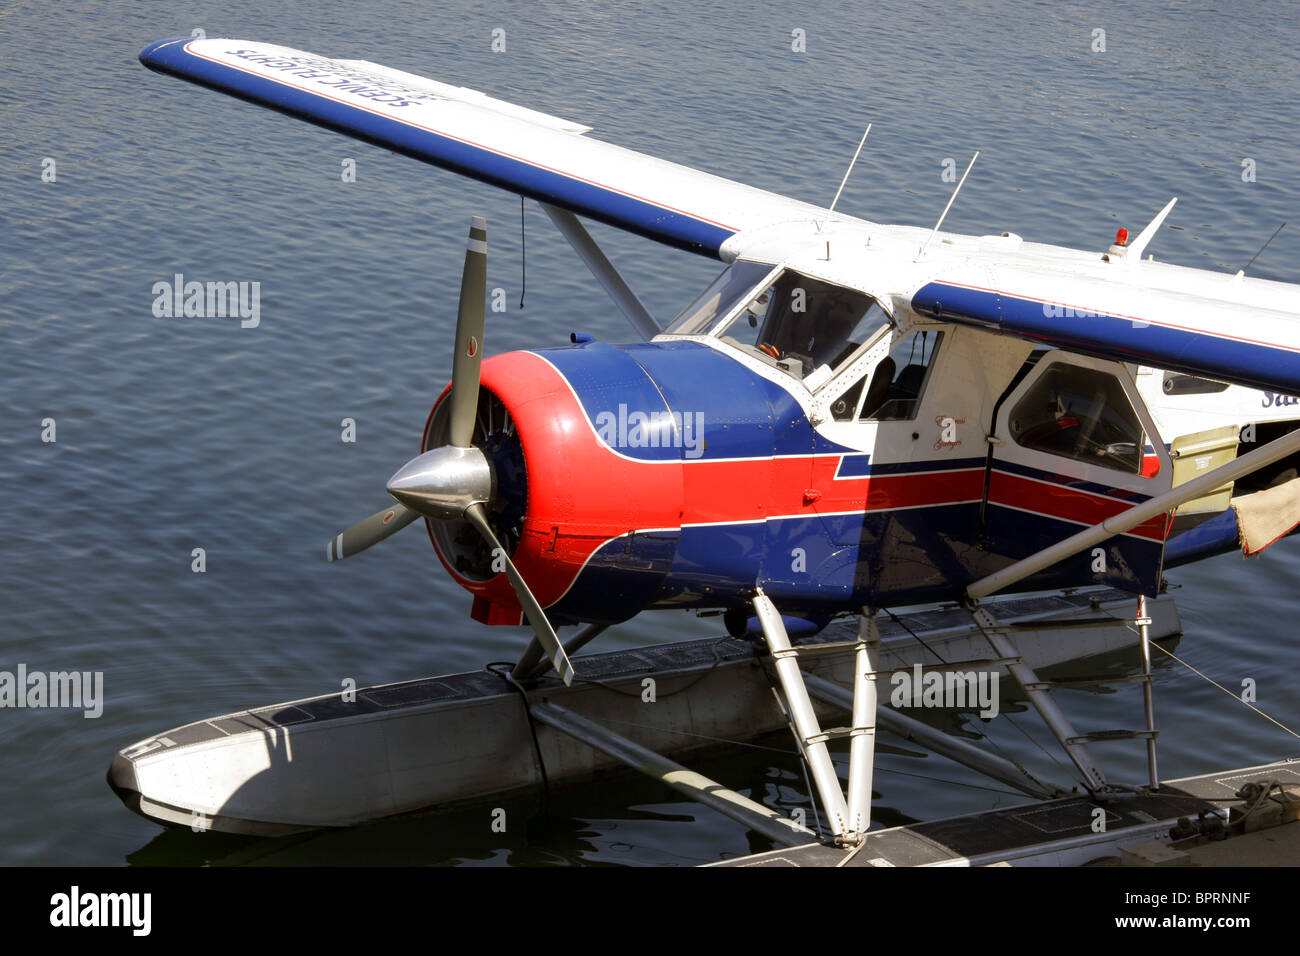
{"x": 1073, "y": 445}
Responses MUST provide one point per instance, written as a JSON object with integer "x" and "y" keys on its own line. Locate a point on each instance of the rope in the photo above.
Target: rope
{"x": 629, "y": 693}
{"x": 802, "y": 752}
{"x": 789, "y": 722}
{"x": 1235, "y": 697}
{"x": 532, "y": 728}
{"x": 903, "y": 624}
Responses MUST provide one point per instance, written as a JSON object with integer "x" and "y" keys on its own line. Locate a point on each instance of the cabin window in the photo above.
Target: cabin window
{"x": 804, "y": 326}
{"x": 907, "y": 371}
{"x": 1083, "y": 414}
{"x": 892, "y": 391}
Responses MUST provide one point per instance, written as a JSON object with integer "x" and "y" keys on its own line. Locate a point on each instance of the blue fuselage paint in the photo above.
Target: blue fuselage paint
{"x": 880, "y": 557}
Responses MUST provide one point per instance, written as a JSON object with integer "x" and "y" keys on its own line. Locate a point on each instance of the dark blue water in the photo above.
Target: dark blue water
{"x": 175, "y": 434}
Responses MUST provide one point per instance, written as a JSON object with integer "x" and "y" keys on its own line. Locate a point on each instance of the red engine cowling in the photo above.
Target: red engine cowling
{"x": 559, "y": 491}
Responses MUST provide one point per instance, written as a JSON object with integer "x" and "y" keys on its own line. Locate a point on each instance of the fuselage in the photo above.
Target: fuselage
{"x": 675, "y": 474}
{"x": 890, "y": 461}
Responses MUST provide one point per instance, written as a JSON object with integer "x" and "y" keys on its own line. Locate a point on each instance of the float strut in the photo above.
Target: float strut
{"x": 862, "y": 736}
{"x": 849, "y": 820}
{"x": 696, "y": 786}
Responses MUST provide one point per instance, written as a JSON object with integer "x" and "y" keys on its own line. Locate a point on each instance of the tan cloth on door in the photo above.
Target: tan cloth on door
{"x": 1266, "y": 516}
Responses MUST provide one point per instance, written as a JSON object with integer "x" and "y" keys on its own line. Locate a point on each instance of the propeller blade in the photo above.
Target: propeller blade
{"x": 469, "y": 336}
{"x": 533, "y": 610}
{"x": 371, "y": 531}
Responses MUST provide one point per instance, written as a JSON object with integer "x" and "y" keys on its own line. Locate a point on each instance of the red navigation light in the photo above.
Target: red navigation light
{"x": 1121, "y": 237}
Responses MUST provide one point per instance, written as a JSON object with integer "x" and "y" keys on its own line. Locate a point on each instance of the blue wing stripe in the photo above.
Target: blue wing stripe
{"x": 673, "y": 227}
{"x": 1221, "y": 357}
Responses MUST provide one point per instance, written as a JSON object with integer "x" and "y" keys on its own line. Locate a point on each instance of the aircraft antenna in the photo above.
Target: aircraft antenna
{"x": 1139, "y": 245}
{"x": 845, "y": 180}
{"x": 1242, "y": 272}
{"x": 944, "y": 215}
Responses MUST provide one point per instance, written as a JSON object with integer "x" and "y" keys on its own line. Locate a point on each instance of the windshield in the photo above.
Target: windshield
{"x": 719, "y": 298}
{"x": 805, "y": 326}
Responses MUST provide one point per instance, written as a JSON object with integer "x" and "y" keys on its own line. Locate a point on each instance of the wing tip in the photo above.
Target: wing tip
{"x": 150, "y": 55}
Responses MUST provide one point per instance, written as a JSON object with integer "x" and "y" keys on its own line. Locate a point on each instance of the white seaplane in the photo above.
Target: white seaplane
{"x": 852, "y": 417}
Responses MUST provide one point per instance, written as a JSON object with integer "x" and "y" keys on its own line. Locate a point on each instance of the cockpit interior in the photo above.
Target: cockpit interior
{"x": 805, "y": 326}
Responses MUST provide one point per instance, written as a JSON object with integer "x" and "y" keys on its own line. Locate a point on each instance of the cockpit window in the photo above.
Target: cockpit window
{"x": 719, "y": 298}
{"x": 805, "y": 326}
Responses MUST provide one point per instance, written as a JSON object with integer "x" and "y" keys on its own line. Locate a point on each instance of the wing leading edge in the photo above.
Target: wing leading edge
{"x": 520, "y": 150}
{"x": 1240, "y": 332}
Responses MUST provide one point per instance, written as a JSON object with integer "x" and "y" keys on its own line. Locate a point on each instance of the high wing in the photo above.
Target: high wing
{"x": 1219, "y": 326}
{"x": 526, "y": 152}
{"x": 1229, "y": 328}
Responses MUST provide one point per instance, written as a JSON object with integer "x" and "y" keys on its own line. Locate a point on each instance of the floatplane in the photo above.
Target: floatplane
{"x": 851, "y": 418}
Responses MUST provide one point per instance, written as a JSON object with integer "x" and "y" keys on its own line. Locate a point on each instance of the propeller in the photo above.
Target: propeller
{"x": 369, "y": 532}
{"x": 454, "y": 482}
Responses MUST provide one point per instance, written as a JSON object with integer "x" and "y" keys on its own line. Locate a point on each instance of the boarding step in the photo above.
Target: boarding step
{"x": 831, "y": 733}
{"x": 820, "y": 650}
{"x": 827, "y": 734}
{"x": 1067, "y": 683}
{"x": 1099, "y": 735}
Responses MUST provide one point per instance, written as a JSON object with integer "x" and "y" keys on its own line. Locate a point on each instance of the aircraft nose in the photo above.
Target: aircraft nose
{"x": 444, "y": 482}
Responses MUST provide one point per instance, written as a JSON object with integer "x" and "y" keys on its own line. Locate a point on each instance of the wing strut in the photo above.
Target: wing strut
{"x": 572, "y": 229}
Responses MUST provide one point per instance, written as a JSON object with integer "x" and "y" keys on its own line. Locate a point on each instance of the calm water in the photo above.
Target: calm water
{"x": 175, "y": 434}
